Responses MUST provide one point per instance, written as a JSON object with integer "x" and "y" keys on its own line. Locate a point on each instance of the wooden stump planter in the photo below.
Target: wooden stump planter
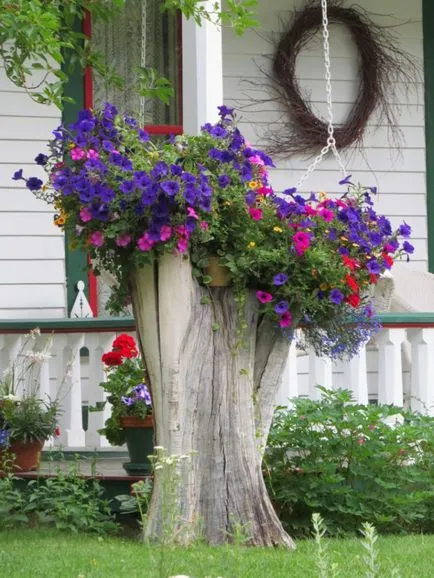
{"x": 219, "y": 273}
{"x": 210, "y": 397}
{"x": 139, "y": 434}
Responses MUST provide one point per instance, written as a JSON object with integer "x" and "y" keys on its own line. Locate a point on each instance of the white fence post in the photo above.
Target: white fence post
{"x": 356, "y": 376}
{"x": 390, "y": 387}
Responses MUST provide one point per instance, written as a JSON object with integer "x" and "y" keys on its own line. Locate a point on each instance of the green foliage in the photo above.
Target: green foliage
{"x": 24, "y": 416}
{"x": 238, "y": 14}
{"x": 351, "y": 463}
{"x": 29, "y": 419}
{"x": 67, "y": 501}
{"x": 39, "y": 36}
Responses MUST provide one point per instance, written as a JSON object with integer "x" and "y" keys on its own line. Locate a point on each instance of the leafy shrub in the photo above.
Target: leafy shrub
{"x": 67, "y": 501}
{"x": 351, "y": 463}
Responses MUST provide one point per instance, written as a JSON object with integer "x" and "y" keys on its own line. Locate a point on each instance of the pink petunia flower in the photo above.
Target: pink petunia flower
{"x": 327, "y": 215}
{"x": 301, "y": 242}
{"x": 97, "y": 239}
{"x": 165, "y": 233}
{"x": 256, "y": 160}
{"x": 192, "y": 213}
{"x": 285, "y": 319}
{"x": 145, "y": 243}
{"x": 182, "y": 245}
{"x": 256, "y": 214}
{"x": 203, "y": 225}
{"x": 123, "y": 240}
{"x": 263, "y": 296}
{"x": 92, "y": 154}
{"x": 77, "y": 154}
{"x": 85, "y": 215}
{"x": 264, "y": 191}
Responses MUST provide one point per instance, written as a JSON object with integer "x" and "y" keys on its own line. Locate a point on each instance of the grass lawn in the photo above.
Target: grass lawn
{"x": 35, "y": 553}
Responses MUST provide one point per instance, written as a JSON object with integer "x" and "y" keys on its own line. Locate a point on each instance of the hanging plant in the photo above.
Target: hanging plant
{"x": 382, "y": 64}
{"x": 129, "y": 202}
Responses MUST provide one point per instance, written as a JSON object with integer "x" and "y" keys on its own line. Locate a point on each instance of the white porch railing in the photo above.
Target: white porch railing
{"x": 396, "y": 368}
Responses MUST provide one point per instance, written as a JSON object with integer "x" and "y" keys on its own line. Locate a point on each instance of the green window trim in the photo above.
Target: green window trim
{"x": 75, "y": 260}
{"x": 428, "y": 49}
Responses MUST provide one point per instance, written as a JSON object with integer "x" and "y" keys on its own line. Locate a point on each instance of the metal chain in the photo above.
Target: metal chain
{"x": 331, "y": 141}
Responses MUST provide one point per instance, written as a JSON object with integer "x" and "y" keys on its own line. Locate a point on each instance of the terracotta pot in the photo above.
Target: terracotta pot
{"x": 27, "y": 455}
{"x": 218, "y": 272}
{"x": 139, "y": 435}
{"x": 129, "y": 421}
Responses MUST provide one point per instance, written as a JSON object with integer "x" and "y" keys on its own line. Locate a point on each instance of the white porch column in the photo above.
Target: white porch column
{"x": 320, "y": 373}
{"x": 356, "y": 376}
{"x": 202, "y": 76}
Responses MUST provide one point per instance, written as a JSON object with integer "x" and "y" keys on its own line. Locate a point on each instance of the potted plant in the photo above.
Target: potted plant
{"x": 130, "y": 421}
{"x": 26, "y": 419}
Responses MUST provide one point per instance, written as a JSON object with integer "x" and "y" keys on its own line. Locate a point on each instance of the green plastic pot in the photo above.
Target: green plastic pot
{"x": 139, "y": 435}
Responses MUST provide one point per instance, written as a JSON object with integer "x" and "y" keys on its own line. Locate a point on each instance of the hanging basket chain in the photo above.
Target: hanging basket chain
{"x": 331, "y": 141}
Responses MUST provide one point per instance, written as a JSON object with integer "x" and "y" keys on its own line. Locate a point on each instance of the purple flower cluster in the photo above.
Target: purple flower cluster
{"x": 4, "y": 438}
{"x": 139, "y": 394}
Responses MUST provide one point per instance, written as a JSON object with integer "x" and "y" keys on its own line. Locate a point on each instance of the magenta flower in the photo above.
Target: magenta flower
{"x": 263, "y": 296}
{"x": 85, "y": 215}
{"x": 182, "y": 245}
{"x": 145, "y": 243}
{"x": 203, "y": 225}
{"x": 97, "y": 239}
{"x": 301, "y": 242}
{"x": 77, "y": 154}
{"x": 92, "y": 154}
{"x": 192, "y": 213}
{"x": 327, "y": 215}
{"x": 256, "y": 214}
{"x": 256, "y": 160}
{"x": 123, "y": 240}
{"x": 285, "y": 319}
{"x": 165, "y": 233}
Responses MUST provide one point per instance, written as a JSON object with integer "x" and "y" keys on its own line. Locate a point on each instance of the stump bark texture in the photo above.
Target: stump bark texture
{"x": 210, "y": 397}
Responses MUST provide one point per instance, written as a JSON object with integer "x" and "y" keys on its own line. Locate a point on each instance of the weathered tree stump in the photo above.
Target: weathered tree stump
{"x": 210, "y": 397}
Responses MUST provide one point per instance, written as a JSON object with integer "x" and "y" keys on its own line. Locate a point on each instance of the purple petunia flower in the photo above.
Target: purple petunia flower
{"x": 4, "y": 438}
{"x": 218, "y": 132}
{"x": 281, "y": 307}
{"x": 142, "y": 392}
{"x": 405, "y": 230}
{"x": 225, "y": 111}
{"x": 127, "y": 187}
{"x": 280, "y": 279}
{"x": 171, "y": 188}
{"x": 41, "y": 159}
{"x": 224, "y": 181}
{"x": 160, "y": 170}
{"x": 374, "y": 267}
{"x": 346, "y": 180}
{"x": 108, "y": 146}
{"x": 18, "y": 175}
{"x": 127, "y": 400}
{"x": 336, "y": 296}
{"x": 34, "y": 184}
{"x": 408, "y": 247}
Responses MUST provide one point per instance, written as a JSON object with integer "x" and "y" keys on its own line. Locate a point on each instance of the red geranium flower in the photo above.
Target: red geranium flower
{"x": 112, "y": 358}
{"x": 350, "y": 263}
{"x": 126, "y": 345}
{"x": 352, "y": 284}
{"x": 353, "y": 300}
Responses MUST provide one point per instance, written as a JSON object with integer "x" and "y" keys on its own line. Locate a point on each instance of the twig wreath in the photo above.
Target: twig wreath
{"x": 382, "y": 64}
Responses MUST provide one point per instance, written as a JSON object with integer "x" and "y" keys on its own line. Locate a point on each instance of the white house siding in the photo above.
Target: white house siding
{"x": 399, "y": 173}
{"x": 32, "y": 264}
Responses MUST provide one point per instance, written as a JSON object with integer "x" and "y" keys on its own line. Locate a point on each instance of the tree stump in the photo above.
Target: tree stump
{"x": 212, "y": 398}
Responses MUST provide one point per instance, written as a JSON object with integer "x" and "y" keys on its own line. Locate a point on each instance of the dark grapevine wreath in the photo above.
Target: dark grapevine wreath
{"x": 382, "y": 64}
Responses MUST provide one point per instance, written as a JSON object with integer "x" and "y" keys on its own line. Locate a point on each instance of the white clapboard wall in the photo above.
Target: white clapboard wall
{"x": 399, "y": 173}
{"x": 32, "y": 256}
